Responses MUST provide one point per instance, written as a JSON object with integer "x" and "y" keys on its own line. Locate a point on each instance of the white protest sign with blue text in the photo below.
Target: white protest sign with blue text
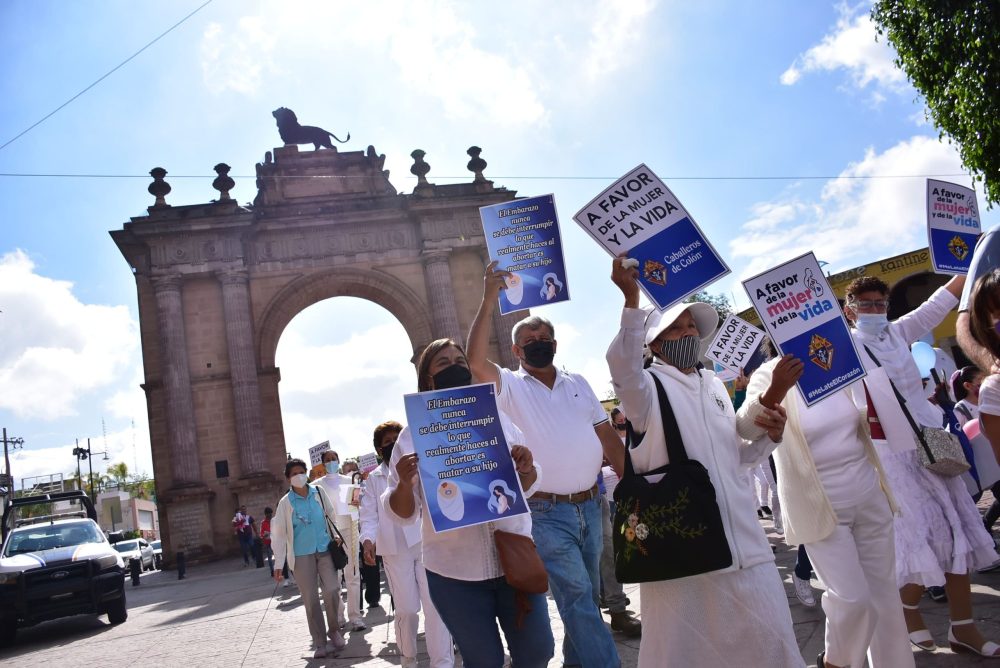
{"x": 952, "y": 226}
{"x": 802, "y": 317}
{"x": 639, "y": 214}
{"x": 466, "y": 472}
{"x": 734, "y": 344}
{"x": 523, "y": 237}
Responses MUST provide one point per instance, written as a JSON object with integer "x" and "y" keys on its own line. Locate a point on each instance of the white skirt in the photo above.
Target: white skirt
{"x": 938, "y": 529}
{"x": 739, "y": 618}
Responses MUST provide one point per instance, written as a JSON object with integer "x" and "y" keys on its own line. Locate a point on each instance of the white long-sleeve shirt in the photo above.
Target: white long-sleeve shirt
{"x": 467, "y": 553}
{"x": 707, "y": 424}
{"x": 892, "y": 349}
{"x": 389, "y": 537}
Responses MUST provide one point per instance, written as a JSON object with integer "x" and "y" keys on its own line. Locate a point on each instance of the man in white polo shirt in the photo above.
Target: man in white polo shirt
{"x": 568, "y": 433}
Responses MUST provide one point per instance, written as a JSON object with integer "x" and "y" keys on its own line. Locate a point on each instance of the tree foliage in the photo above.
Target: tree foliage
{"x": 950, "y": 51}
{"x": 719, "y": 302}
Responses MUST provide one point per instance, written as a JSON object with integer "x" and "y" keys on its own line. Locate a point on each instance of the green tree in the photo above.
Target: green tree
{"x": 118, "y": 473}
{"x": 950, "y": 51}
{"x": 719, "y": 302}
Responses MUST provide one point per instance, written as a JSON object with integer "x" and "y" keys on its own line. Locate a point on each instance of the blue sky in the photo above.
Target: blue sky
{"x": 565, "y": 91}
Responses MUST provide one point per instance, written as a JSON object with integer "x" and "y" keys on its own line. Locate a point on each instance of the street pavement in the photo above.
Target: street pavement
{"x": 225, "y": 615}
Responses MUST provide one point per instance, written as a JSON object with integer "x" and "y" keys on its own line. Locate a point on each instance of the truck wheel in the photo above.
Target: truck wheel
{"x": 8, "y": 631}
{"x": 117, "y": 613}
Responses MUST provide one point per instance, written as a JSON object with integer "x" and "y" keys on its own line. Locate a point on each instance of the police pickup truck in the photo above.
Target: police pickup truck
{"x": 57, "y": 565}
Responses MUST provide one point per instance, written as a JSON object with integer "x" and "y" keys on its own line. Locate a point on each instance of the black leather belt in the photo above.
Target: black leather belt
{"x": 575, "y": 497}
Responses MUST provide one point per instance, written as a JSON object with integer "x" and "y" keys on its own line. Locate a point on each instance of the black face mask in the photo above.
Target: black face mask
{"x": 539, "y": 354}
{"x": 386, "y": 451}
{"x": 454, "y": 376}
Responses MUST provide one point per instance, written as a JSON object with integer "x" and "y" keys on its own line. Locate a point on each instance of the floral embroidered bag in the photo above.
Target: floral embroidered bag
{"x": 671, "y": 528}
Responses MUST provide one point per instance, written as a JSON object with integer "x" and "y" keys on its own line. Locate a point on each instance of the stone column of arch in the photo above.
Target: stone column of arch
{"x": 243, "y": 370}
{"x": 440, "y": 293}
{"x": 181, "y": 434}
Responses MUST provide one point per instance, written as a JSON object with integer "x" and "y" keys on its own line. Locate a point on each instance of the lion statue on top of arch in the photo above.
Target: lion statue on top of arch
{"x": 292, "y": 133}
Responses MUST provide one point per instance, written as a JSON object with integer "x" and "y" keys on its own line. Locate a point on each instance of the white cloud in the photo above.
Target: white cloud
{"x": 236, "y": 57}
{"x": 851, "y": 46}
{"x": 853, "y": 219}
{"x": 617, "y": 25}
{"x": 56, "y": 348}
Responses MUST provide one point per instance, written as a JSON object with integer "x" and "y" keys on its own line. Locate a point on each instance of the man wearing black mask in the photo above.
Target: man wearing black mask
{"x": 569, "y": 434}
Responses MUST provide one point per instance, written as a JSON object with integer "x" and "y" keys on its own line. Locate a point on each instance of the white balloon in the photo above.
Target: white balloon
{"x": 924, "y": 356}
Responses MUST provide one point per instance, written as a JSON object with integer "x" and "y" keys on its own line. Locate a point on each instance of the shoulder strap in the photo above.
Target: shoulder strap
{"x": 964, "y": 411}
{"x": 906, "y": 411}
{"x": 671, "y": 432}
{"x": 329, "y": 524}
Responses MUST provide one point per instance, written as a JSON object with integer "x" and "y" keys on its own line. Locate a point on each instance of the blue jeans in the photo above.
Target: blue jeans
{"x": 570, "y": 538}
{"x": 470, "y": 610}
{"x": 246, "y": 548}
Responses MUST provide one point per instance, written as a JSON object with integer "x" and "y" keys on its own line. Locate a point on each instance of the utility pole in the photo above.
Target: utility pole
{"x": 14, "y": 443}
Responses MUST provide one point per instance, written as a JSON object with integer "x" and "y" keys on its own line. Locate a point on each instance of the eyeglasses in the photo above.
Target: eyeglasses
{"x": 869, "y": 304}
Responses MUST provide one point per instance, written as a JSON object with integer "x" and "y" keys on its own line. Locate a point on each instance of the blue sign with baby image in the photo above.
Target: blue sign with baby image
{"x": 466, "y": 472}
{"x": 523, "y": 237}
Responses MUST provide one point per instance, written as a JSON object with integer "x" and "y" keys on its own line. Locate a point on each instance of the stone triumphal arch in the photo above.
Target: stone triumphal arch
{"x": 218, "y": 282}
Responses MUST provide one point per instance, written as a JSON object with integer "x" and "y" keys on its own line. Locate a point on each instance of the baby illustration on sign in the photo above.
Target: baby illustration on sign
{"x": 450, "y": 501}
{"x": 502, "y": 497}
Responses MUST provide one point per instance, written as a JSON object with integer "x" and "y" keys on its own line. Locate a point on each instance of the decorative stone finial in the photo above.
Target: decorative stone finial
{"x": 159, "y": 188}
{"x": 477, "y": 164}
{"x": 420, "y": 168}
{"x": 223, "y": 183}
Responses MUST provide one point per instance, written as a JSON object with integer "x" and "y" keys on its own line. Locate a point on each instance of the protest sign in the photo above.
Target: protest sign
{"x": 952, "y": 226}
{"x": 466, "y": 472}
{"x": 639, "y": 214}
{"x": 801, "y": 315}
{"x": 316, "y": 453}
{"x": 523, "y": 237}
{"x": 735, "y": 344}
{"x": 367, "y": 462}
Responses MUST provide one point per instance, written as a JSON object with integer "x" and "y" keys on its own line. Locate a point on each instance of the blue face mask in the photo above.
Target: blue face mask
{"x": 872, "y": 324}
{"x": 332, "y": 466}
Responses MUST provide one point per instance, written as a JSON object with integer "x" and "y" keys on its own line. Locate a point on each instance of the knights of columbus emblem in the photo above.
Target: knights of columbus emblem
{"x": 654, "y": 272}
{"x": 821, "y": 352}
{"x": 958, "y": 248}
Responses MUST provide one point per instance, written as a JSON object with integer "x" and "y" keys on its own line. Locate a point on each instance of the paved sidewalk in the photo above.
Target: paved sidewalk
{"x": 224, "y": 615}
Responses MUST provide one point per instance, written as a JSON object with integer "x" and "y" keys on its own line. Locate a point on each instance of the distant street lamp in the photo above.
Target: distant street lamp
{"x": 14, "y": 443}
{"x": 85, "y": 453}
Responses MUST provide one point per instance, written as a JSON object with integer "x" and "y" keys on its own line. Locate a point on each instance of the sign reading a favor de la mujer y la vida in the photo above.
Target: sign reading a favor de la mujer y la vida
{"x": 952, "y": 226}
{"x": 735, "y": 344}
{"x": 802, "y": 317}
{"x": 523, "y": 237}
{"x": 466, "y": 472}
{"x": 639, "y": 214}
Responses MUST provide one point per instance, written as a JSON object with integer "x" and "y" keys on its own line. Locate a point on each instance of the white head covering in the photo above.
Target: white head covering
{"x": 706, "y": 319}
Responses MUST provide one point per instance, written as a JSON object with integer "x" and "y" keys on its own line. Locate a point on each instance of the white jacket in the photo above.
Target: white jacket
{"x": 389, "y": 538}
{"x": 707, "y": 424}
{"x": 807, "y": 513}
{"x": 282, "y": 542}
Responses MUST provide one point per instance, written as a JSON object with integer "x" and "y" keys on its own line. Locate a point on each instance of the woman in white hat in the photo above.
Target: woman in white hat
{"x": 736, "y": 616}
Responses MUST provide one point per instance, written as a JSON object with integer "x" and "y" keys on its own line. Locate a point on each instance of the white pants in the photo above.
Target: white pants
{"x": 857, "y": 563}
{"x": 408, "y": 584}
{"x": 352, "y": 573}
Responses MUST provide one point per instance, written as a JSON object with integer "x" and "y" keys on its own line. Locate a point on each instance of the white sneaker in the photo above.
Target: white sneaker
{"x": 409, "y": 662}
{"x": 286, "y": 584}
{"x": 803, "y": 591}
{"x": 336, "y": 644}
{"x": 779, "y": 526}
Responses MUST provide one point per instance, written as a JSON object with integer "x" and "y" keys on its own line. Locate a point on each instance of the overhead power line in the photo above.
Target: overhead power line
{"x": 109, "y": 73}
{"x": 465, "y": 177}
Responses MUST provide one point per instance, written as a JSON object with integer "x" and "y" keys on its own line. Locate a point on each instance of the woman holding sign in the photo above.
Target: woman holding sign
{"x": 939, "y": 534}
{"x": 464, "y": 577}
{"x": 734, "y": 615}
{"x": 837, "y": 503}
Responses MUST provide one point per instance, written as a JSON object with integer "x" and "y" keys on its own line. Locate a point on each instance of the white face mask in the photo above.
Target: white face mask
{"x": 871, "y": 323}
{"x": 299, "y": 480}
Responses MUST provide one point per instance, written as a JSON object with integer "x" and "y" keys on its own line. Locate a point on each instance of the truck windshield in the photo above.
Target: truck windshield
{"x": 51, "y": 536}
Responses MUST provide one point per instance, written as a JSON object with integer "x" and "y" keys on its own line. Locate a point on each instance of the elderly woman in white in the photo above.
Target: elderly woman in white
{"x": 737, "y": 616}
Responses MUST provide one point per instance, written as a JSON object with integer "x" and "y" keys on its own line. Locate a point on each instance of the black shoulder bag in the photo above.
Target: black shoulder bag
{"x": 338, "y": 551}
{"x": 671, "y": 528}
